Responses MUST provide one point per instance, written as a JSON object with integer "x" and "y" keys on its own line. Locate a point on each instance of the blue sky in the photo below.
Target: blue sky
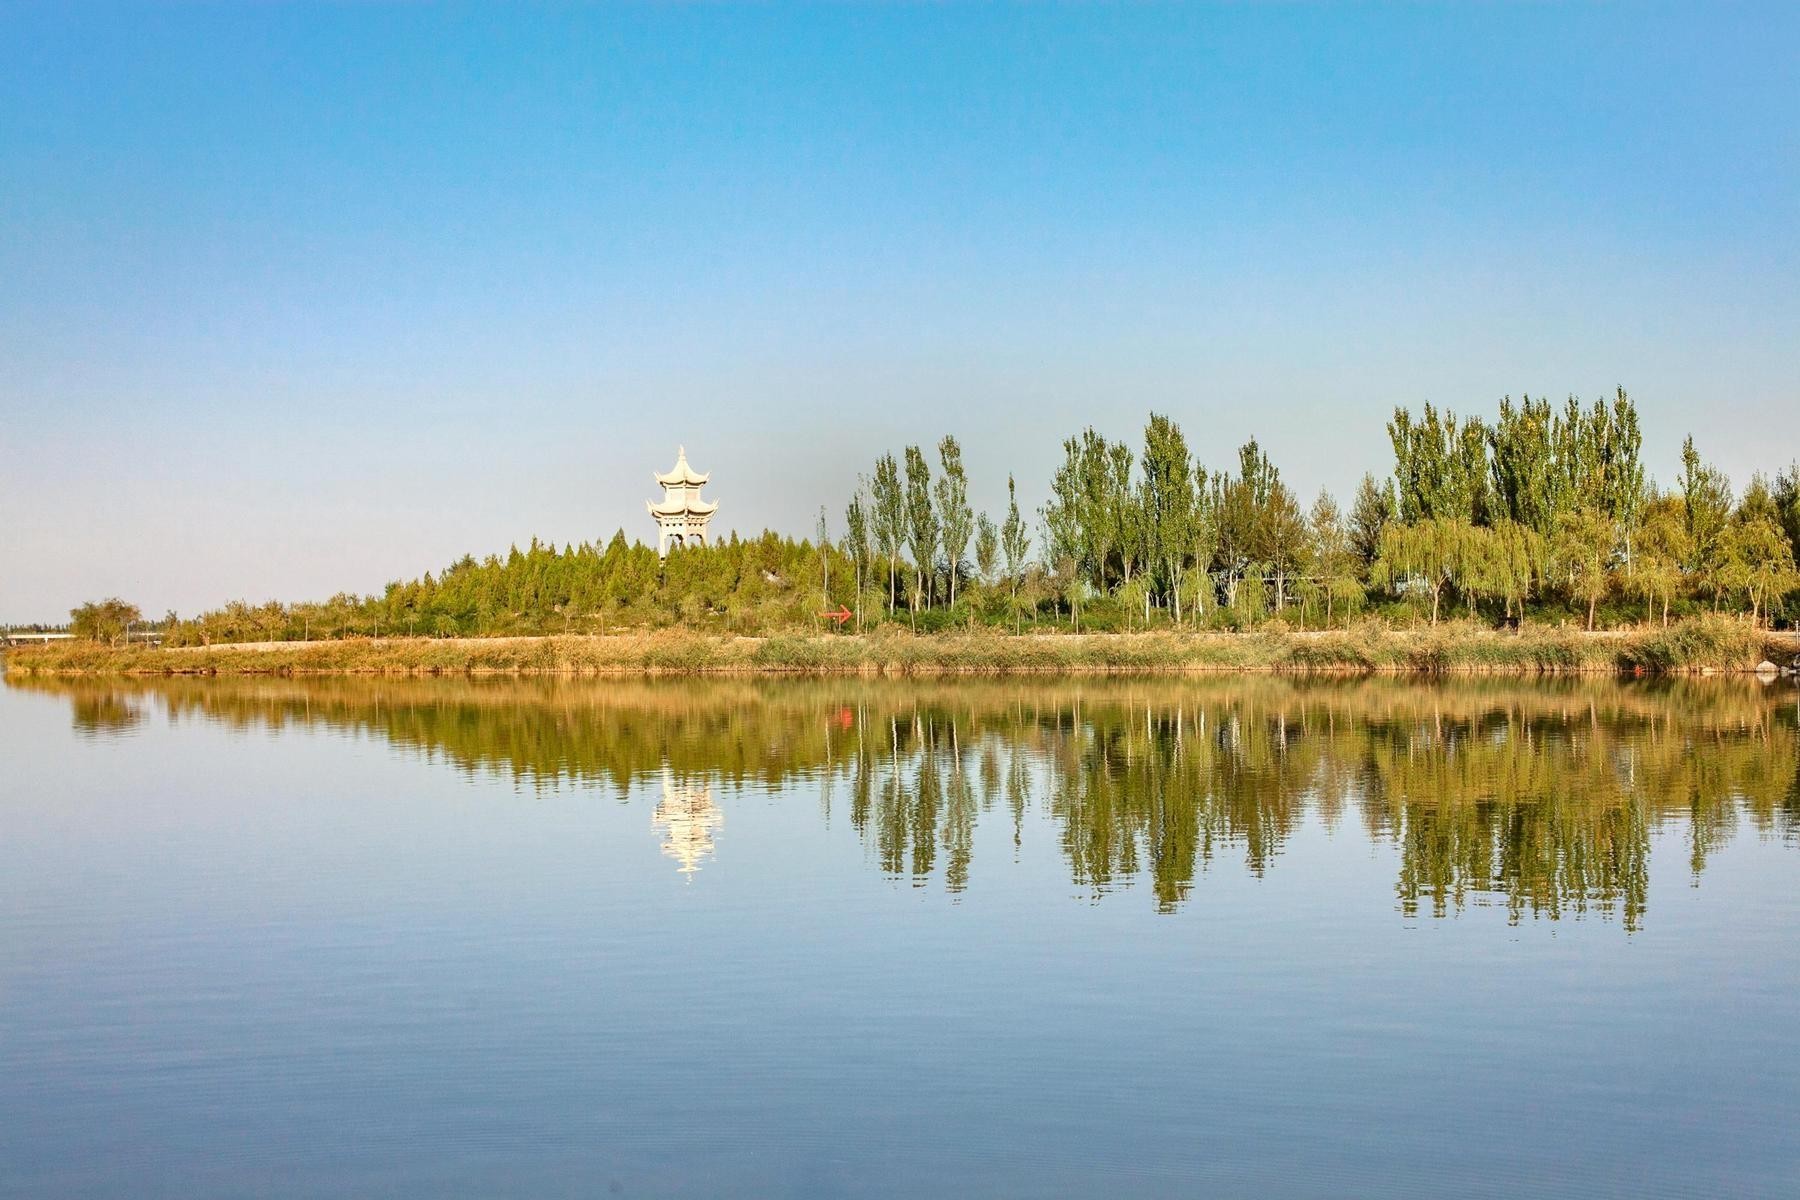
{"x": 296, "y": 300}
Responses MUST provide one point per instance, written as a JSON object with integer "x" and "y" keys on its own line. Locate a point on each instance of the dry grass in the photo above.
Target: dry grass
{"x": 1715, "y": 644}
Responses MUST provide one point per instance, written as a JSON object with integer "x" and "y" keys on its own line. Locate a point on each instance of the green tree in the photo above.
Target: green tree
{"x": 987, "y": 547}
{"x": 824, "y": 532}
{"x": 1787, "y": 504}
{"x": 954, "y": 518}
{"x": 1282, "y": 539}
{"x": 1167, "y": 506}
{"x": 1757, "y": 560}
{"x": 1015, "y": 543}
{"x": 888, "y": 501}
{"x": 1370, "y": 514}
{"x": 108, "y": 620}
{"x": 1706, "y": 496}
{"x": 921, "y": 521}
{"x": 1523, "y": 464}
{"x": 1663, "y": 546}
{"x": 1583, "y": 552}
{"x": 1515, "y": 562}
{"x": 1065, "y": 535}
{"x": 1430, "y": 554}
{"x": 856, "y": 542}
{"x": 1334, "y": 558}
{"x": 1203, "y": 538}
{"x": 1440, "y": 468}
{"x": 1240, "y": 505}
{"x": 1123, "y": 512}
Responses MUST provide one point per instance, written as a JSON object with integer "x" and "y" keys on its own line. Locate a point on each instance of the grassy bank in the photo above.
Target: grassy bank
{"x": 1700, "y": 645}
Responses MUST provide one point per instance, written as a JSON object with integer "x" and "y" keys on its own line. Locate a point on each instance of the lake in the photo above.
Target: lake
{"x": 1159, "y": 937}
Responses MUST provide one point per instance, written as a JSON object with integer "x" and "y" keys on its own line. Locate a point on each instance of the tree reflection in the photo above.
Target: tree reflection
{"x": 1538, "y": 797}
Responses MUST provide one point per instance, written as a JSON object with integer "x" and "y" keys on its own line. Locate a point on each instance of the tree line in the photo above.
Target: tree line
{"x": 1540, "y": 512}
{"x": 1543, "y": 509}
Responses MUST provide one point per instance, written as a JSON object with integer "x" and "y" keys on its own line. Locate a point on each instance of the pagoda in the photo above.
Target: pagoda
{"x": 681, "y": 516}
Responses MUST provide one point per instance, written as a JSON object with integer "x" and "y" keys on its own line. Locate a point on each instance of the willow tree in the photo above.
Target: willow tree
{"x": 1515, "y": 561}
{"x": 1433, "y": 553}
{"x": 1663, "y": 546}
{"x": 1757, "y": 561}
{"x": 1583, "y": 552}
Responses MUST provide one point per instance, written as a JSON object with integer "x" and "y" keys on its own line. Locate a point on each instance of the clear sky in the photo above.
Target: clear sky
{"x": 297, "y": 300}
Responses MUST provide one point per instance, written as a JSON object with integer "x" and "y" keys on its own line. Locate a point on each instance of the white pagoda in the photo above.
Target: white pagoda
{"x": 681, "y": 516}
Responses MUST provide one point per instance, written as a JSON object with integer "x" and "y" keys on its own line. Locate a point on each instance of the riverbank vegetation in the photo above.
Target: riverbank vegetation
{"x": 1541, "y": 515}
{"x": 1718, "y": 644}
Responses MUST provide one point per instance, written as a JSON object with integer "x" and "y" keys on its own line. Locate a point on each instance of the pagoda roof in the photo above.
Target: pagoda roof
{"x": 675, "y": 508}
{"x": 681, "y": 474}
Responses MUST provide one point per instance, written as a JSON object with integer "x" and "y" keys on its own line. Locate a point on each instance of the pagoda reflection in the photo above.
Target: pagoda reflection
{"x": 687, "y": 818}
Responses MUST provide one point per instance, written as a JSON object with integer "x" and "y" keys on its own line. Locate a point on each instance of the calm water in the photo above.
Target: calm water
{"x": 1214, "y": 938}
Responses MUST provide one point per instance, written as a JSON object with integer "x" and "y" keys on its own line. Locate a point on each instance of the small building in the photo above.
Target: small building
{"x": 681, "y": 516}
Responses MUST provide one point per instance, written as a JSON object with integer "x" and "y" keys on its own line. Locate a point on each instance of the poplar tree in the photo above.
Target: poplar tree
{"x": 1706, "y": 499}
{"x": 921, "y": 520}
{"x": 1787, "y": 504}
{"x": 987, "y": 547}
{"x": 1203, "y": 537}
{"x": 1333, "y": 556}
{"x": 1370, "y": 515}
{"x": 824, "y": 531}
{"x": 1123, "y": 514}
{"x": 1095, "y": 511}
{"x": 1015, "y": 542}
{"x": 889, "y": 516}
{"x": 1167, "y": 505}
{"x": 954, "y": 518}
{"x": 1523, "y": 464}
{"x": 1281, "y": 537}
{"x": 1062, "y": 513}
{"x": 856, "y": 542}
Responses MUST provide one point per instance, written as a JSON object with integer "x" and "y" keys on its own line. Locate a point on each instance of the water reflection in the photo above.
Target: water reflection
{"x": 1541, "y": 797}
{"x": 687, "y": 818}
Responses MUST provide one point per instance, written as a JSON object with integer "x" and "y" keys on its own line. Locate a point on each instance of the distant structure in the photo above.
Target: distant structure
{"x": 682, "y": 515}
{"x": 687, "y": 818}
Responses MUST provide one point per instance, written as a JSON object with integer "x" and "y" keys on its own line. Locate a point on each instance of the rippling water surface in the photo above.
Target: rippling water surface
{"x": 1223, "y": 937}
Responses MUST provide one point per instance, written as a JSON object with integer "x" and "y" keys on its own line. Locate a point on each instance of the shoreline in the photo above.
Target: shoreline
{"x": 1701, "y": 646}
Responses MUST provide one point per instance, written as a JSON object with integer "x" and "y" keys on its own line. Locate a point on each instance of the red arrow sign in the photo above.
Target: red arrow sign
{"x": 840, "y": 616}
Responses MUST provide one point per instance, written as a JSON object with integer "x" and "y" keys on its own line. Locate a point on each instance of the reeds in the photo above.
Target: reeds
{"x": 1721, "y": 644}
